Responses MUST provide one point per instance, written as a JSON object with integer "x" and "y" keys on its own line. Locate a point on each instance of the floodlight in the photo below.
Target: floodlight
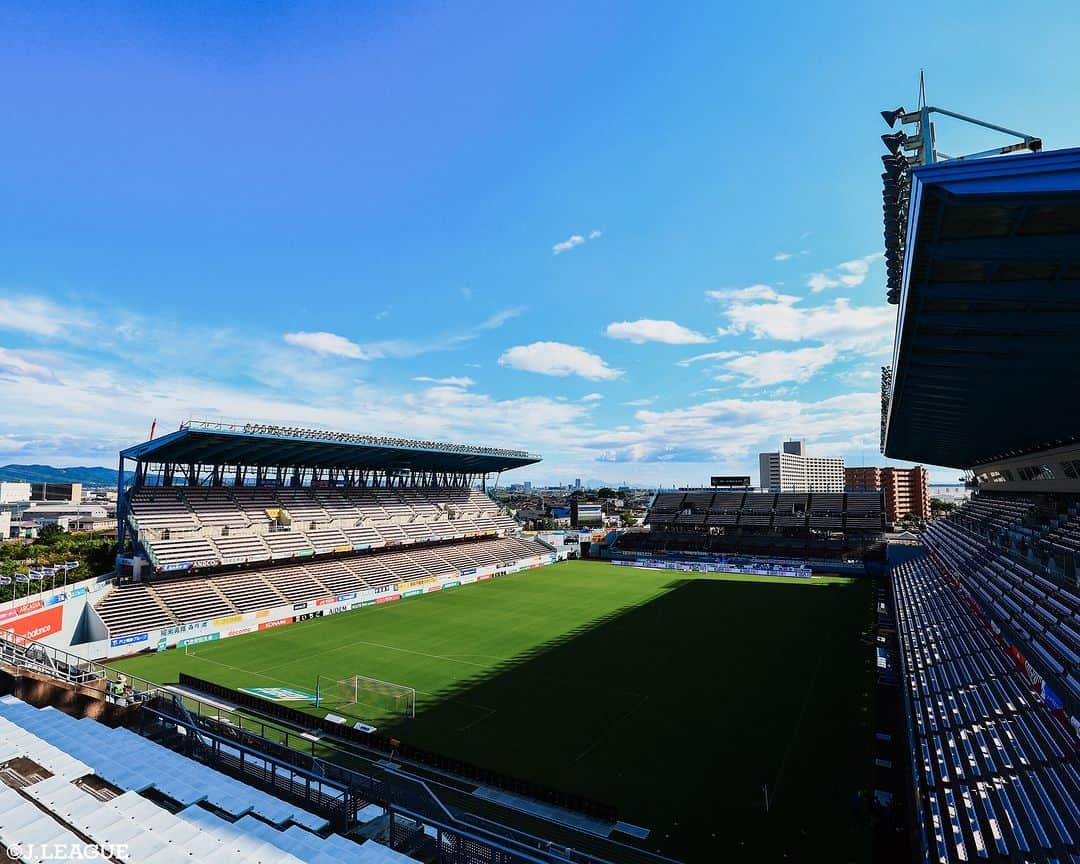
{"x": 891, "y": 117}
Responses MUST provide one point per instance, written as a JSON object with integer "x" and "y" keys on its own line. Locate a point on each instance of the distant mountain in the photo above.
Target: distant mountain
{"x": 48, "y": 474}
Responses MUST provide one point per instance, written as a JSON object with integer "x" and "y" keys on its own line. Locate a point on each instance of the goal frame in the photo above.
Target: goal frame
{"x": 365, "y": 684}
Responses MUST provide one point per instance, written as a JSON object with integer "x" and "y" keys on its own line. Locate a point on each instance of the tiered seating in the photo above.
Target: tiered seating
{"x": 216, "y": 506}
{"x": 757, "y": 509}
{"x": 208, "y": 526}
{"x": 131, "y": 609}
{"x": 162, "y": 509}
{"x": 164, "y": 603}
{"x": 238, "y": 548}
{"x": 255, "y": 502}
{"x": 303, "y": 508}
{"x": 997, "y": 510}
{"x": 864, "y": 512}
{"x": 997, "y": 773}
{"x": 192, "y": 599}
{"x": 168, "y": 824}
{"x": 791, "y": 510}
{"x": 193, "y": 551}
{"x": 1044, "y": 617}
{"x": 826, "y": 511}
{"x": 288, "y": 544}
{"x": 664, "y": 508}
{"x": 371, "y": 570}
{"x": 295, "y": 583}
{"x": 340, "y": 580}
{"x": 247, "y": 592}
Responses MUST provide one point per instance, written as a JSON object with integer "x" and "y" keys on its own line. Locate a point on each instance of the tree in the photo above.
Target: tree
{"x": 606, "y": 492}
{"x": 50, "y": 533}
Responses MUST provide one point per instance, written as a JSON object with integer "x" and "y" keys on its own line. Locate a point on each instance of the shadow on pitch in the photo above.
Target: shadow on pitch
{"x": 680, "y": 710}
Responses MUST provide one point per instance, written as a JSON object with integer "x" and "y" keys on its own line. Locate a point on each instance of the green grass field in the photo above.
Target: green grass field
{"x": 674, "y": 696}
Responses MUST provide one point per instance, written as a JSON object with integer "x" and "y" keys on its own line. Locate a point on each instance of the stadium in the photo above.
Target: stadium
{"x": 331, "y": 646}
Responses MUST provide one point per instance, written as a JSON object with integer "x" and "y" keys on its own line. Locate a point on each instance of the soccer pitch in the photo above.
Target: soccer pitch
{"x": 674, "y": 696}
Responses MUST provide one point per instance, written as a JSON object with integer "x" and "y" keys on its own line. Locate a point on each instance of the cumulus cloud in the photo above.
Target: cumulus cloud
{"x": 558, "y": 359}
{"x": 781, "y": 256}
{"x": 849, "y": 274}
{"x": 573, "y": 241}
{"x": 328, "y": 344}
{"x": 767, "y": 314}
{"x": 651, "y": 330}
{"x": 765, "y": 368}
{"x": 592, "y": 397}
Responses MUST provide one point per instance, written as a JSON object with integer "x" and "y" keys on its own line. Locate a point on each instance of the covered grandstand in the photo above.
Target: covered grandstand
{"x": 985, "y": 266}
{"x": 811, "y": 526}
{"x": 229, "y": 523}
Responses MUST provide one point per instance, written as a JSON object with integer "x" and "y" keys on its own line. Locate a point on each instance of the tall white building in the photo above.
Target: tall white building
{"x": 14, "y": 493}
{"x": 791, "y": 470}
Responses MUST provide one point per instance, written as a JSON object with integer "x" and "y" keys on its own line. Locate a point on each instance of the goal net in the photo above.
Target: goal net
{"x": 374, "y": 697}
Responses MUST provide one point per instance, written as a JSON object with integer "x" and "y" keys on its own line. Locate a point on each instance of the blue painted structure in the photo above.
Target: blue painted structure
{"x": 985, "y": 351}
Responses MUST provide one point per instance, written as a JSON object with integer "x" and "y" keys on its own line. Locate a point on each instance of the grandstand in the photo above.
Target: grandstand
{"x": 818, "y": 526}
{"x": 250, "y": 525}
{"x": 984, "y": 263}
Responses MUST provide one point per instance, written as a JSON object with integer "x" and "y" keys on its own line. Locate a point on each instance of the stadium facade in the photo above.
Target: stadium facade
{"x": 984, "y": 265}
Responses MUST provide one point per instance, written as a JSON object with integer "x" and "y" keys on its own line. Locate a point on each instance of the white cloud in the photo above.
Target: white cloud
{"x": 567, "y": 244}
{"x": 850, "y": 274}
{"x": 573, "y": 241}
{"x": 592, "y": 397}
{"x": 640, "y": 403}
{"x": 767, "y": 314}
{"x": 712, "y": 355}
{"x": 22, "y": 364}
{"x": 750, "y": 292}
{"x": 452, "y": 381}
{"x": 781, "y": 256}
{"x": 558, "y": 359}
{"x": 38, "y": 317}
{"x": 329, "y": 344}
{"x": 651, "y": 330}
{"x": 765, "y": 368}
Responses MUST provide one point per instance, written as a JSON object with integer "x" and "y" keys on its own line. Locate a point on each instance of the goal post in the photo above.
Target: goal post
{"x": 372, "y": 695}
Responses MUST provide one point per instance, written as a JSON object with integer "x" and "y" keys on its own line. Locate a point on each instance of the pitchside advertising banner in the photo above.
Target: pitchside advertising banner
{"x": 39, "y": 625}
{"x": 713, "y": 567}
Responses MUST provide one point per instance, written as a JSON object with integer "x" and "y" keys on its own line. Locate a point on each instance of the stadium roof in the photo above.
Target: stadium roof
{"x": 984, "y": 363}
{"x": 206, "y": 443}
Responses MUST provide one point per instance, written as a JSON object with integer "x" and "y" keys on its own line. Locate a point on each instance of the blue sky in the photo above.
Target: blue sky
{"x": 643, "y": 241}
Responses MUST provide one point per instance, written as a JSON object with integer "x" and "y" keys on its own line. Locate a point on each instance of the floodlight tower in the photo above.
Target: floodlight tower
{"x": 910, "y": 151}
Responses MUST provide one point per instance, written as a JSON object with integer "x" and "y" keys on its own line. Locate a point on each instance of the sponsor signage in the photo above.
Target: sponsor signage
{"x": 323, "y": 601}
{"x": 195, "y": 640}
{"x": 129, "y": 640}
{"x": 56, "y": 598}
{"x": 298, "y": 606}
{"x": 386, "y": 598}
{"x": 240, "y": 631}
{"x": 362, "y": 604}
{"x": 307, "y": 616}
{"x": 360, "y": 547}
{"x": 412, "y": 593}
{"x": 179, "y": 565}
{"x": 482, "y": 578}
{"x": 263, "y": 613}
{"x": 470, "y": 572}
{"x": 341, "y": 598}
{"x": 730, "y": 481}
{"x": 269, "y": 625}
{"x": 78, "y": 592}
{"x": 230, "y": 619}
{"x": 279, "y": 694}
{"x": 452, "y": 585}
{"x": 39, "y": 625}
{"x": 431, "y": 588}
{"x": 348, "y": 548}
